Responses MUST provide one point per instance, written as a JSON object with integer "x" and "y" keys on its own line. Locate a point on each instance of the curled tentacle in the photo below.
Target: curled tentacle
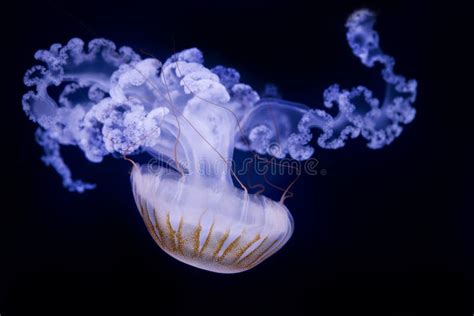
{"x": 360, "y": 113}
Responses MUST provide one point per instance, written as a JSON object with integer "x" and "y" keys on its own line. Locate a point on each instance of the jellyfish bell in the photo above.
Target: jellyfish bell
{"x": 115, "y": 102}
{"x": 210, "y": 225}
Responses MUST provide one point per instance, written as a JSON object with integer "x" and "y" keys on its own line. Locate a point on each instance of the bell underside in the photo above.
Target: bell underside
{"x": 216, "y": 245}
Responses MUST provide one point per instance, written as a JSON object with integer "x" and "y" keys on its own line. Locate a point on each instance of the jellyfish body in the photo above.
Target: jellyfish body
{"x": 215, "y": 227}
{"x": 114, "y": 102}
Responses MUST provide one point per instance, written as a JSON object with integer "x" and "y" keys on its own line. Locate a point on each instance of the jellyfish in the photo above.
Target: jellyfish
{"x": 106, "y": 101}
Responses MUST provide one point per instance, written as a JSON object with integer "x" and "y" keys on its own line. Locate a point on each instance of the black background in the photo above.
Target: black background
{"x": 385, "y": 232}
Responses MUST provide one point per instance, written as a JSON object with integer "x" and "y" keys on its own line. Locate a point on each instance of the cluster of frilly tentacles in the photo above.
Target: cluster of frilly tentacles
{"x": 108, "y": 101}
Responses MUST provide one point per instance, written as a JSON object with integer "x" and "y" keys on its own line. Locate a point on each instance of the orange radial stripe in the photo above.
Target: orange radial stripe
{"x": 229, "y": 248}
{"x": 243, "y": 249}
{"x": 171, "y": 233}
{"x": 253, "y": 251}
{"x": 158, "y": 227}
{"x": 180, "y": 236}
{"x": 220, "y": 243}
{"x": 261, "y": 254}
{"x": 195, "y": 237}
{"x": 149, "y": 224}
{"x": 206, "y": 242}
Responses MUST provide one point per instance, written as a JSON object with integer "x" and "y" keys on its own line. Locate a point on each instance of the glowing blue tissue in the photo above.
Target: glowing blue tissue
{"x": 115, "y": 102}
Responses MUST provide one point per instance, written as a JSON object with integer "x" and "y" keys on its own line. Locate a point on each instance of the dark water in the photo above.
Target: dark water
{"x": 385, "y": 232}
